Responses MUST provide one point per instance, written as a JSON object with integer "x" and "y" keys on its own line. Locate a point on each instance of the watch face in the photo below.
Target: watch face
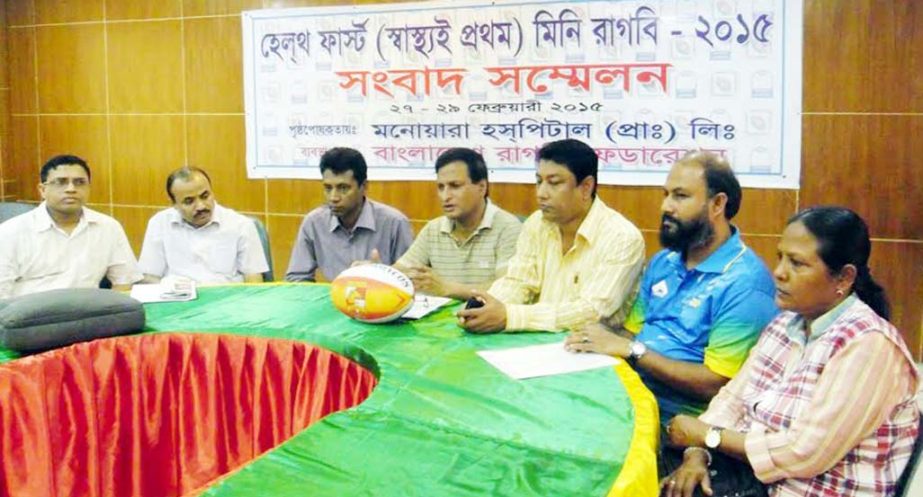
{"x": 713, "y": 438}
{"x": 638, "y": 349}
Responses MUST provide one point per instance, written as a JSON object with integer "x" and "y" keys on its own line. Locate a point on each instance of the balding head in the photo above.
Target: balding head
{"x": 719, "y": 178}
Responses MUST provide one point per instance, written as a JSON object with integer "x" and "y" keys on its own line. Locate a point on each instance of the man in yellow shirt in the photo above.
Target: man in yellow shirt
{"x": 577, "y": 261}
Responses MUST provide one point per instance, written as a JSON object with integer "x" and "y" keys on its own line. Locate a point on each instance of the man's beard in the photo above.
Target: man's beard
{"x": 686, "y": 235}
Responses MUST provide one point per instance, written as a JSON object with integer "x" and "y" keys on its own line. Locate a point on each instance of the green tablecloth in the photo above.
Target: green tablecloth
{"x": 441, "y": 420}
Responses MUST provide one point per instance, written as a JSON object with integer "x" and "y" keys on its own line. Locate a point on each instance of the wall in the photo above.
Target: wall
{"x": 139, "y": 88}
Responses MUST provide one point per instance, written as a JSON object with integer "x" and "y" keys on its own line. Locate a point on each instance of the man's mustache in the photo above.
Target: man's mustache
{"x": 667, "y": 217}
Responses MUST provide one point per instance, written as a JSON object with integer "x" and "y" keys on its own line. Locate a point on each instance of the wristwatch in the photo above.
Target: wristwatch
{"x": 636, "y": 351}
{"x": 713, "y": 437}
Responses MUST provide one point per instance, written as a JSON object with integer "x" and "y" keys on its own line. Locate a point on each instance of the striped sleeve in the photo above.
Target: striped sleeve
{"x": 727, "y": 407}
{"x": 419, "y": 252}
{"x": 506, "y": 244}
{"x": 858, "y": 389}
{"x": 522, "y": 282}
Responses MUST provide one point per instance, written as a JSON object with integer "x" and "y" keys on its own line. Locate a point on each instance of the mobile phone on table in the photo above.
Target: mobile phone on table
{"x": 473, "y": 303}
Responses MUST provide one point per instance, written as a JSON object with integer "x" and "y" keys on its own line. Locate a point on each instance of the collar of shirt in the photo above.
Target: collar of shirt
{"x": 447, "y": 225}
{"x": 217, "y": 218}
{"x": 719, "y": 261}
{"x": 795, "y": 328}
{"x": 41, "y": 220}
{"x": 366, "y": 218}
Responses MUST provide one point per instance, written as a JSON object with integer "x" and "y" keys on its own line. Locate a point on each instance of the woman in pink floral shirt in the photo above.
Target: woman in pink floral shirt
{"x": 824, "y": 405}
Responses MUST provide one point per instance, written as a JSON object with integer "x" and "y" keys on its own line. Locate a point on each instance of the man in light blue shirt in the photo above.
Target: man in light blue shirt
{"x": 349, "y": 227}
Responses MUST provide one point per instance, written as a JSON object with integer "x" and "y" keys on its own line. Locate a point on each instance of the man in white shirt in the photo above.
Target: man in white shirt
{"x": 61, "y": 243}
{"x": 199, "y": 239}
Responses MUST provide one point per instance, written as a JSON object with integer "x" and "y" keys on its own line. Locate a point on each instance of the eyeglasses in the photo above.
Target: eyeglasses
{"x": 63, "y": 182}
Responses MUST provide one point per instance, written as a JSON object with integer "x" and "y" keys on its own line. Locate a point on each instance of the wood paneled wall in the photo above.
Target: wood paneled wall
{"x": 139, "y": 88}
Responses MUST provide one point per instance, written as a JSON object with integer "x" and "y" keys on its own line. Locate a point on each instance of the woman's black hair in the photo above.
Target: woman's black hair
{"x": 843, "y": 238}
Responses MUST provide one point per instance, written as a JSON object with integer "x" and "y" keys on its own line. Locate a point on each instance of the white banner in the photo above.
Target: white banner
{"x": 640, "y": 81}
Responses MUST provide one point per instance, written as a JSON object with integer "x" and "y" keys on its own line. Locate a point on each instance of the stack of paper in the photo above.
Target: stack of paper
{"x": 164, "y": 292}
{"x": 424, "y": 304}
{"x": 543, "y": 360}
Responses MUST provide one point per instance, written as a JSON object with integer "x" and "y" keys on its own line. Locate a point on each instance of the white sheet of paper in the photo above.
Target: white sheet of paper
{"x": 543, "y": 360}
{"x": 155, "y": 292}
{"x": 424, "y": 304}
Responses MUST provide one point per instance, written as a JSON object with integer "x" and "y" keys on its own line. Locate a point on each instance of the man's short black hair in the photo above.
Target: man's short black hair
{"x": 63, "y": 160}
{"x": 719, "y": 178}
{"x": 477, "y": 167}
{"x": 184, "y": 173}
{"x": 342, "y": 159}
{"x": 577, "y": 156}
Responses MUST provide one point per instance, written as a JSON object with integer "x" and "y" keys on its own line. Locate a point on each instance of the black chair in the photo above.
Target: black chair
{"x": 911, "y": 482}
{"x": 264, "y": 239}
{"x": 9, "y": 210}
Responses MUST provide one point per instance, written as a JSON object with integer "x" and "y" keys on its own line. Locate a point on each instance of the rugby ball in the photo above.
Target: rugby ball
{"x": 372, "y": 293}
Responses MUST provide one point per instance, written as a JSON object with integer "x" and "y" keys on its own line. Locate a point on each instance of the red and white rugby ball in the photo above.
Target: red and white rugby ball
{"x": 372, "y": 293}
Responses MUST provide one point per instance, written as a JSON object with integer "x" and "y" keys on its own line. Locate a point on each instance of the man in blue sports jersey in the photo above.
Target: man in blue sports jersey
{"x": 703, "y": 299}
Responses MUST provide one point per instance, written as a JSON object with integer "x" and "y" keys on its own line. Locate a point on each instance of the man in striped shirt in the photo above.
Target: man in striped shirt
{"x": 468, "y": 247}
{"x": 577, "y": 261}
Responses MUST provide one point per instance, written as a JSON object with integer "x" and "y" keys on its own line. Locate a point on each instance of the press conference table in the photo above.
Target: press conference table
{"x": 441, "y": 421}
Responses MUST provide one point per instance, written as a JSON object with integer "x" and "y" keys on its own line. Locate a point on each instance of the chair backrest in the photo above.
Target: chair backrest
{"x": 264, "y": 239}
{"x": 911, "y": 482}
{"x": 9, "y": 210}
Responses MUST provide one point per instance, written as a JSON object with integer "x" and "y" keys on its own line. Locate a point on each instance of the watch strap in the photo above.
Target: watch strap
{"x": 633, "y": 357}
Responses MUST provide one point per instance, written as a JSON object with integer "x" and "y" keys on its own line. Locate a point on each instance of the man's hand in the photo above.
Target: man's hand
{"x": 487, "y": 319}
{"x": 374, "y": 258}
{"x": 691, "y": 474}
{"x": 426, "y": 281}
{"x": 597, "y": 338}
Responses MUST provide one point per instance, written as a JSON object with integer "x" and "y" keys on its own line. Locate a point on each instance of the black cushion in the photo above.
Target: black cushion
{"x": 913, "y": 465}
{"x": 46, "y": 320}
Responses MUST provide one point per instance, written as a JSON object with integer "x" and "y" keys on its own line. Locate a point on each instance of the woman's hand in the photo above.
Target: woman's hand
{"x": 686, "y": 431}
{"x": 691, "y": 474}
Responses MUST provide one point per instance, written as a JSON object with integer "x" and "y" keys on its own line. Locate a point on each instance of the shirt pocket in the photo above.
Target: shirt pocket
{"x": 222, "y": 257}
{"x": 38, "y": 267}
{"x": 485, "y": 261}
{"x": 43, "y": 274}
